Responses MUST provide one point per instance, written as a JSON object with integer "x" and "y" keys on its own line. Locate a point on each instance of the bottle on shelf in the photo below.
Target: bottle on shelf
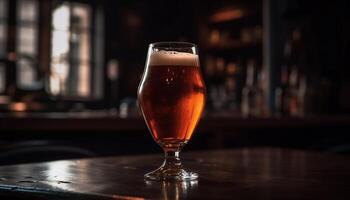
{"x": 281, "y": 107}
{"x": 289, "y": 96}
{"x": 293, "y": 98}
{"x": 232, "y": 70}
{"x": 262, "y": 97}
{"x": 252, "y": 96}
{"x": 303, "y": 96}
{"x": 216, "y": 88}
{"x": 113, "y": 79}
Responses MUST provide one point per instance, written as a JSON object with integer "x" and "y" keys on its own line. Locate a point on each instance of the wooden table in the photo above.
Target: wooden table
{"x": 226, "y": 174}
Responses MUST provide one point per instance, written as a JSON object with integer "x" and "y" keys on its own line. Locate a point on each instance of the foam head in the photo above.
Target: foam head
{"x": 173, "y": 58}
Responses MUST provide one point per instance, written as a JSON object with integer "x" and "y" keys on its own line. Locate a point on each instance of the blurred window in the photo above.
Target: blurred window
{"x": 3, "y": 23}
{"x": 3, "y": 46}
{"x": 71, "y": 68}
{"x": 2, "y": 77}
{"x": 27, "y": 44}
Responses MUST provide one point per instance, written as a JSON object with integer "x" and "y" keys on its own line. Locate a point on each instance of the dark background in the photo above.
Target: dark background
{"x": 67, "y": 126}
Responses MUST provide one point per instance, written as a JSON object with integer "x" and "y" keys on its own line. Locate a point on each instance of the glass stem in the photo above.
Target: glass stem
{"x": 172, "y": 159}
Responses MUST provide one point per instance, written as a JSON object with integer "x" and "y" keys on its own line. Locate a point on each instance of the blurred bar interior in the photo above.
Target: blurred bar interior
{"x": 277, "y": 74}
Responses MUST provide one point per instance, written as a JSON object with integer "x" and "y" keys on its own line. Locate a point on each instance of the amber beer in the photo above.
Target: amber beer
{"x": 172, "y": 96}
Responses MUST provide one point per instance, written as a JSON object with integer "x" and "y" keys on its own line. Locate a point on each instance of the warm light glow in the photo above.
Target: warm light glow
{"x": 227, "y": 15}
{"x": 127, "y": 197}
{"x": 215, "y": 37}
{"x": 18, "y": 106}
{"x": 84, "y": 80}
{"x": 84, "y": 47}
{"x": 82, "y": 39}
{"x": 232, "y": 68}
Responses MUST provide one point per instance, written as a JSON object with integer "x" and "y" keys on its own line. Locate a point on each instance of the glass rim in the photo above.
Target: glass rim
{"x": 173, "y": 44}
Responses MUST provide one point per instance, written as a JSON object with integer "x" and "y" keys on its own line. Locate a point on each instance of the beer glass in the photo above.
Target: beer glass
{"x": 171, "y": 97}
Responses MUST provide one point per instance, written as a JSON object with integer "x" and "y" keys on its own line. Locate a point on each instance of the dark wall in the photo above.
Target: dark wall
{"x": 132, "y": 25}
{"x": 325, "y": 46}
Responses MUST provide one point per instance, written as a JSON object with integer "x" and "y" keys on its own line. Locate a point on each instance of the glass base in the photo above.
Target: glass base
{"x": 163, "y": 174}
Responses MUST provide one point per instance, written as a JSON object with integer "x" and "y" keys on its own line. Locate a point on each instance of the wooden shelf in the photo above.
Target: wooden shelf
{"x": 229, "y": 34}
{"x": 247, "y": 21}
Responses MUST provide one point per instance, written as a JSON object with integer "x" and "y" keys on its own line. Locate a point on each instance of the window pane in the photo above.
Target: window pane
{"x": 60, "y": 44}
{"x": 58, "y": 77}
{"x": 60, "y": 50}
{"x": 80, "y": 46}
{"x": 3, "y": 9}
{"x": 70, "y": 54}
{"x": 60, "y": 18}
{"x": 84, "y": 80}
{"x": 27, "y": 10}
{"x": 81, "y": 16}
{"x": 26, "y": 43}
{"x": 27, "y": 40}
{"x": 3, "y": 16}
{"x": 2, "y": 77}
{"x": 26, "y": 76}
{"x": 2, "y": 40}
{"x": 2, "y": 31}
{"x": 54, "y": 85}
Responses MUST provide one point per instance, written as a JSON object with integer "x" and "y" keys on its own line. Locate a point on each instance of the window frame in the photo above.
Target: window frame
{"x": 91, "y": 30}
